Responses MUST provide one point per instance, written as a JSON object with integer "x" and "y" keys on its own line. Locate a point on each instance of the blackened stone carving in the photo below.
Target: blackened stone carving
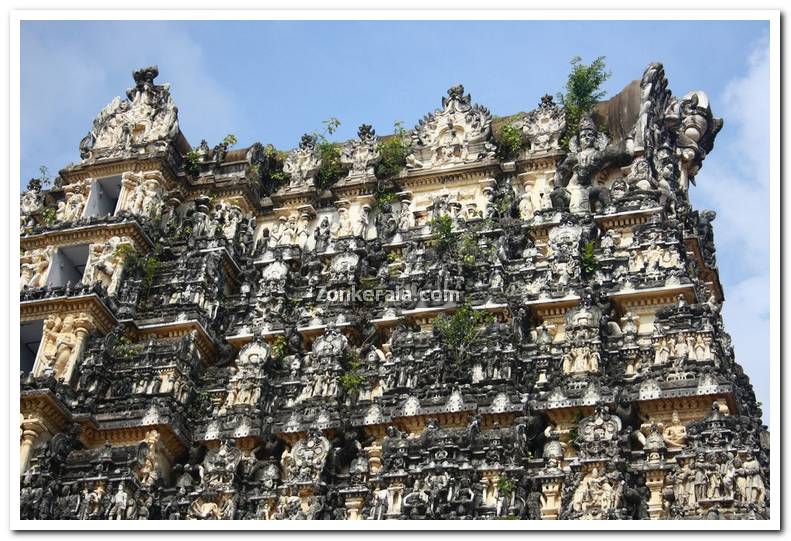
{"x": 269, "y": 351}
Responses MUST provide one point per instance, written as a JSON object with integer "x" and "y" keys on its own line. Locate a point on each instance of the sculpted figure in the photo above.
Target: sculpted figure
{"x": 65, "y": 345}
{"x": 120, "y": 501}
{"x": 321, "y": 235}
{"x": 34, "y": 267}
{"x": 406, "y": 219}
{"x": 589, "y": 154}
{"x": 362, "y": 154}
{"x": 675, "y": 434}
{"x": 361, "y": 229}
{"x": 344, "y": 226}
{"x": 71, "y": 209}
{"x": 31, "y": 201}
{"x": 302, "y": 163}
{"x": 104, "y": 265}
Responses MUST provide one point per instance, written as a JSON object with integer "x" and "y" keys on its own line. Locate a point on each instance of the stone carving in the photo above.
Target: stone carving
{"x": 61, "y": 344}
{"x": 597, "y": 495}
{"x": 544, "y": 126}
{"x": 144, "y": 194}
{"x": 241, "y": 369}
{"x": 362, "y": 154}
{"x": 575, "y": 179}
{"x": 147, "y": 119}
{"x": 675, "y": 434}
{"x": 34, "y": 267}
{"x": 302, "y": 164}
{"x": 693, "y": 129}
{"x": 456, "y": 134}
{"x": 309, "y": 458}
{"x": 70, "y": 209}
{"x": 598, "y": 435}
{"x": 105, "y": 264}
{"x": 31, "y": 201}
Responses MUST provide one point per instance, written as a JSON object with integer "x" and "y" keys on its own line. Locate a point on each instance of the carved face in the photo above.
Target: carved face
{"x": 587, "y": 138}
{"x": 68, "y": 324}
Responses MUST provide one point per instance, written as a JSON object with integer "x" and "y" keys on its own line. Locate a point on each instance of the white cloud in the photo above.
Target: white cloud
{"x": 735, "y": 182}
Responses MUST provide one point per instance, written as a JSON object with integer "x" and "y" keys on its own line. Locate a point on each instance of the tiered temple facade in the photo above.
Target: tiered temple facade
{"x": 467, "y": 333}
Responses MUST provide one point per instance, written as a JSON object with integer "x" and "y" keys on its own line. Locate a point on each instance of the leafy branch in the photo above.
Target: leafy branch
{"x": 442, "y": 229}
{"x": 462, "y": 329}
{"x": 583, "y": 92}
{"x": 588, "y": 259}
{"x": 353, "y": 379}
{"x": 331, "y": 168}
{"x": 509, "y": 142}
{"x": 393, "y": 151}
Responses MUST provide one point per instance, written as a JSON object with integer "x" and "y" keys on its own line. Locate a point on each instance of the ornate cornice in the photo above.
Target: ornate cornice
{"x": 89, "y": 234}
{"x": 91, "y": 304}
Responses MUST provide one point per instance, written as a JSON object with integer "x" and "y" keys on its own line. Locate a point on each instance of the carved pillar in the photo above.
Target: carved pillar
{"x": 31, "y": 431}
{"x": 374, "y": 452}
{"x": 551, "y": 487}
{"x": 129, "y": 182}
{"x": 655, "y": 481}
{"x": 396, "y": 491}
{"x": 353, "y": 506}
{"x": 82, "y": 327}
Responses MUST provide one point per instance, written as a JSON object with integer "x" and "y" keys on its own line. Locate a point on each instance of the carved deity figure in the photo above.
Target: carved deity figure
{"x": 302, "y": 163}
{"x": 596, "y": 495}
{"x": 589, "y": 154}
{"x": 60, "y": 344}
{"x": 362, "y": 154}
{"x": 406, "y": 220}
{"x": 105, "y": 264}
{"x": 71, "y": 208}
{"x": 120, "y": 502}
{"x": 34, "y": 267}
{"x": 343, "y": 228}
{"x": 146, "y": 199}
{"x": 363, "y": 220}
{"x": 675, "y": 434}
{"x": 695, "y": 128}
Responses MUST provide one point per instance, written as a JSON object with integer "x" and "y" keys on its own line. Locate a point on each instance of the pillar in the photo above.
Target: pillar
{"x": 655, "y": 481}
{"x": 551, "y": 487}
{"x": 353, "y": 506}
{"x": 395, "y": 490}
{"x": 30, "y": 434}
{"x": 374, "y": 452}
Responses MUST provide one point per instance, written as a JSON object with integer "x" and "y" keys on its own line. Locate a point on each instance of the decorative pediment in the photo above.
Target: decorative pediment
{"x": 220, "y": 464}
{"x": 457, "y": 134}
{"x": 309, "y": 456}
{"x": 598, "y": 434}
{"x": 544, "y": 126}
{"x": 144, "y": 122}
{"x": 255, "y": 353}
{"x": 361, "y": 155}
{"x": 302, "y": 164}
{"x": 331, "y": 343}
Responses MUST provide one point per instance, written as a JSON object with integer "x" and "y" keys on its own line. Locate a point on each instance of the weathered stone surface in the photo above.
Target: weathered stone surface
{"x": 466, "y": 339}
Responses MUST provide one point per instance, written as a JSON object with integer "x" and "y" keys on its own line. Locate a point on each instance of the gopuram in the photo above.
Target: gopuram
{"x": 432, "y": 324}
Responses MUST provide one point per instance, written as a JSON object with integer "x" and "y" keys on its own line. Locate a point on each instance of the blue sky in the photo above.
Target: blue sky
{"x": 273, "y": 81}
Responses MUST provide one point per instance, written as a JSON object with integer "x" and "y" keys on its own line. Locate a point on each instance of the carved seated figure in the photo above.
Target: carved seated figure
{"x": 675, "y": 434}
